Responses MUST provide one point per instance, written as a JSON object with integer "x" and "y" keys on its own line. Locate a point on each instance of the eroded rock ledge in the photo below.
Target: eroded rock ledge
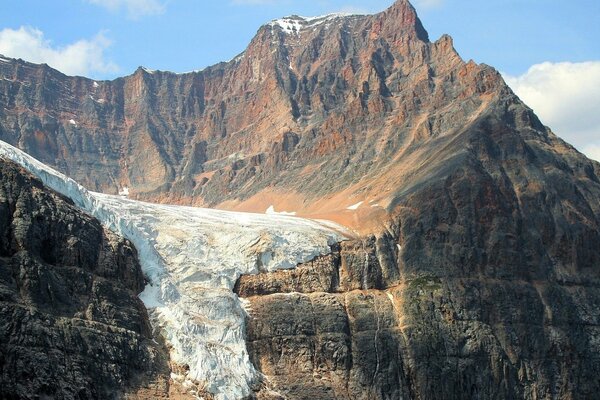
{"x": 351, "y": 326}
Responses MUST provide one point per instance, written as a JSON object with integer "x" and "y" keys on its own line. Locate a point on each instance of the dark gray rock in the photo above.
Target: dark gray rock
{"x": 472, "y": 293}
{"x": 71, "y": 324}
{"x": 478, "y": 277}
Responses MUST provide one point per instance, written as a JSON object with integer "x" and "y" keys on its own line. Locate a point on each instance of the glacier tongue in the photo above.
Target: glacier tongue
{"x": 192, "y": 258}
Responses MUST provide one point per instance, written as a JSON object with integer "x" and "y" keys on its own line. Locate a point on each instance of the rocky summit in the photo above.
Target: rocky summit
{"x": 317, "y": 115}
{"x": 471, "y": 268}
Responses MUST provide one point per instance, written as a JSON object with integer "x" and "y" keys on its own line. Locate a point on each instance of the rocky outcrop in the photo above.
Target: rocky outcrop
{"x": 71, "y": 324}
{"x": 485, "y": 285}
{"x": 393, "y": 317}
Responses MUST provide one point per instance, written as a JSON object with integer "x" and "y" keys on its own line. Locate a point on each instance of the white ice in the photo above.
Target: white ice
{"x": 355, "y": 206}
{"x": 192, "y": 258}
{"x": 295, "y": 24}
{"x": 99, "y": 101}
{"x": 271, "y": 211}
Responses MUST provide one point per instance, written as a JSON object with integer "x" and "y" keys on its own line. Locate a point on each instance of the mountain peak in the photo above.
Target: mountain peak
{"x": 403, "y": 15}
{"x": 142, "y": 69}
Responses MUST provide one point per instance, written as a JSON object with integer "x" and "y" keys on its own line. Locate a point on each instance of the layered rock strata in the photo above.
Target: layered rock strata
{"x": 71, "y": 324}
{"x": 487, "y": 285}
{"x": 315, "y": 116}
{"x": 478, "y": 271}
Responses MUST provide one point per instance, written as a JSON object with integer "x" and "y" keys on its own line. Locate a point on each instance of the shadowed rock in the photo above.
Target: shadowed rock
{"x": 71, "y": 324}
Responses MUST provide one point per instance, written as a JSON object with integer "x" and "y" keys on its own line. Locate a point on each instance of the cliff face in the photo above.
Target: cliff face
{"x": 313, "y": 119}
{"x": 71, "y": 325}
{"x": 473, "y": 293}
{"x": 477, "y": 271}
{"x": 485, "y": 284}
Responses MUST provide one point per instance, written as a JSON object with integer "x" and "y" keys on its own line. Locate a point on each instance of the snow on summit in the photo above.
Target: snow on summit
{"x": 192, "y": 258}
{"x": 294, "y": 24}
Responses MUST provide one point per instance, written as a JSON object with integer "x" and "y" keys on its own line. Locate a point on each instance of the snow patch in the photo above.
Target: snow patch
{"x": 294, "y": 24}
{"x": 195, "y": 71}
{"x": 238, "y": 58}
{"x": 148, "y": 70}
{"x": 355, "y": 206}
{"x": 271, "y": 211}
{"x": 4, "y": 60}
{"x": 99, "y": 101}
{"x": 73, "y": 122}
{"x": 96, "y": 84}
{"x": 192, "y": 258}
{"x": 124, "y": 191}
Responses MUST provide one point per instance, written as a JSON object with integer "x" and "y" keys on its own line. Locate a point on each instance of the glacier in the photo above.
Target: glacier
{"x": 192, "y": 258}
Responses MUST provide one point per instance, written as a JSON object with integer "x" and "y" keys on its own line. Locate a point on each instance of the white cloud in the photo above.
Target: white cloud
{"x": 134, "y": 8}
{"x": 592, "y": 151}
{"x": 566, "y": 98}
{"x": 80, "y": 58}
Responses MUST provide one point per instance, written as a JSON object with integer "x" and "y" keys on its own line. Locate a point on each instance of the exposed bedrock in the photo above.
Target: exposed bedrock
{"x": 486, "y": 286}
{"x": 71, "y": 324}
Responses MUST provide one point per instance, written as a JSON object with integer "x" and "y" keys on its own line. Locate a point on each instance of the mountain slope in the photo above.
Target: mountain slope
{"x": 476, "y": 272}
{"x": 191, "y": 258}
{"x": 345, "y": 109}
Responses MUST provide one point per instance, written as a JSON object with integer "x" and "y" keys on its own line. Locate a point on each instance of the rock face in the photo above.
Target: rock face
{"x": 71, "y": 325}
{"x": 477, "y": 271}
{"x": 312, "y": 119}
{"x": 395, "y": 317}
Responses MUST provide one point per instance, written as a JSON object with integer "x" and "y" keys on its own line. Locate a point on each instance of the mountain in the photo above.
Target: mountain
{"x": 315, "y": 116}
{"x": 474, "y": 267}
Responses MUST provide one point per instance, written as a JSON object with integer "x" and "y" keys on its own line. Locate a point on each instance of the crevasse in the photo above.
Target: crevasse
{"x": 192, "y": 258}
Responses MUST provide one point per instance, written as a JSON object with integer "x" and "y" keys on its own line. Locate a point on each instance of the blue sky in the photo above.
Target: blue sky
{"x": 104, "y": 39}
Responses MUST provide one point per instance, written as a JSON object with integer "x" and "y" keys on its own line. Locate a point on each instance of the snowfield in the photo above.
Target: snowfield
{"x": 293, "y": 25}
{"x": 192, "y": 258}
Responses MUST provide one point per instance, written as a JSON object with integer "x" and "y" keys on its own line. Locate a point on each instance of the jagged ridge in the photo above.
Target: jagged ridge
{"x": 311, "y": 123}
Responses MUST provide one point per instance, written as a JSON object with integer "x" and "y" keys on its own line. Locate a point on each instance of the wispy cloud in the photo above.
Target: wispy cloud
{"x": 566, "y": 97}
{"x": 134, "y": 8}
{"x": 80, "y": 58}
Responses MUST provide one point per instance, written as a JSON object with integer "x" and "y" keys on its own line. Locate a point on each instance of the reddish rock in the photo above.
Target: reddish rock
{"x": 355, "y": 108}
